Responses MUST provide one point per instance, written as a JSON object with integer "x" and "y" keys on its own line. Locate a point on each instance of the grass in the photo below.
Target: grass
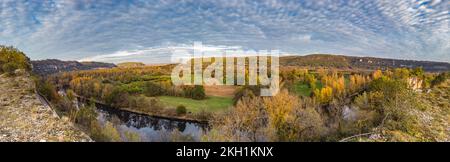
{"x": 304, "y": 89}
{"x": 211, "y": 104}
{"x": 347, "y": 80}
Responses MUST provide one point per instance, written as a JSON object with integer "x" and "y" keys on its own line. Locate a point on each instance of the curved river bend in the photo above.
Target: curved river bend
{"x": 149, "y": 128}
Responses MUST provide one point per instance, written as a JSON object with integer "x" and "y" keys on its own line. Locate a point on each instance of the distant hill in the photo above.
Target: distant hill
{"x": 352, "y": 62}
{"x": 130, "y": 64}
{"x": 51, "y": 66}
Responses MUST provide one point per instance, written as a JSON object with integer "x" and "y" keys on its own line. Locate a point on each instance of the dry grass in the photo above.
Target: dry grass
{"x": 24, "y": 118}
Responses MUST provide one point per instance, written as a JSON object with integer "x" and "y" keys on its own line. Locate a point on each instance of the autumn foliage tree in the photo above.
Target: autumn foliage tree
{"x": 323, "y": 95}
{"x": 279, "y": 118}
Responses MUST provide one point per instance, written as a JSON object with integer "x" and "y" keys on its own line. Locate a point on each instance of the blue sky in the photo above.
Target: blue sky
{"x": 150, "y": 30}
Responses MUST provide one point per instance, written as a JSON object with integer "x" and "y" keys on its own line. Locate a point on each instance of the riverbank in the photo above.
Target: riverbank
{"x": 160, "y": 115}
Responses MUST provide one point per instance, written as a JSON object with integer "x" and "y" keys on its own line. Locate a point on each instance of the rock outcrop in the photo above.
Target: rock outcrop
{"x": 24, "y": 118}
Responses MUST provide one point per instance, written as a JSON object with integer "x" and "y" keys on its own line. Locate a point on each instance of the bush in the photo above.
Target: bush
{"x": 442, "y": 77}
{"x": 9, "y": 68}
{"x": 111, "y": 133}
{"x": 246, "y": 91}
{"x": 48, "y": 91}
{"x": 85, "y": 116}
{"x": 197, "y": 92}
{"x": 106, "y": 133}
{"x": 15, "y": 58}
{"x": 151, "y": 89}
{"x": 181, "y": 110}
{"x": 132, "y": 136}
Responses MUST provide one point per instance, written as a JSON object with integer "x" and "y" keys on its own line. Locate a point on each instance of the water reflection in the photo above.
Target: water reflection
{"x": 149, "y": 128}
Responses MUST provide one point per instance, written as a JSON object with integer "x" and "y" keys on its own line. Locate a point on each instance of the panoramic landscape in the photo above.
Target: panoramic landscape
{"x": 224, "y": 71}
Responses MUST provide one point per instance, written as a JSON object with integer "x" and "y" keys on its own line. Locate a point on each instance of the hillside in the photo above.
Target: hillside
{"x": 51, "y": 66}
{"x": 351, "y": 62}
{"x": 23, "y": 117}
{"x": 130, "y": 64}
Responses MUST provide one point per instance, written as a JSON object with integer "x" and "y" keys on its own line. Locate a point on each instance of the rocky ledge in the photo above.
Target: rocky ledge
{"x": 24, "y": 118}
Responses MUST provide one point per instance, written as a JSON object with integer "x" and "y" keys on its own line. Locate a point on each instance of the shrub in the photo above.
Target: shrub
{"x": 47, "y": 90}
{"x": 197, "y": 92}
{"x": 15, "y": 58}
{"x": 9, "y": 68}
{"x": 151, "y": 89}
{"x": 70, "y": 94}
{"x": 204, "y": 115}
{"x": 442, "y": 77}
{"x": 246, "y": 91}
{"x": 181, "y": 110}
{"x": 132, "y": 136}
{"x": 111, "y": 133}
{"x": 85, "y": 116}
{"x": 106, "y": 133}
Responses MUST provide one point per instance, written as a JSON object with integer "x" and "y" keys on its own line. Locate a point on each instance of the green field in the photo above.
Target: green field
{"x": 211, "y": 104}
{"x": 304, "y": 89}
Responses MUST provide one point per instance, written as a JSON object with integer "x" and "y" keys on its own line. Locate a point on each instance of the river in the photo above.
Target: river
{"x": 149, "y": 128}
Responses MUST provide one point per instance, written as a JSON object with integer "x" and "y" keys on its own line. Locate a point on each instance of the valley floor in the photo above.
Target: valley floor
{"x": 24, "y": 118}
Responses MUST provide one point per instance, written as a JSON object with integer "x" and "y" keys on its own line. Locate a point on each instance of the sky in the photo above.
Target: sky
{"x": 150, "y": 31}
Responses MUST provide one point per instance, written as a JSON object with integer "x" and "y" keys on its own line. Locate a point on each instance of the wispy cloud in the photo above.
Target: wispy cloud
{"x": 148, "y": 30}
{"x": 169, "y": 54}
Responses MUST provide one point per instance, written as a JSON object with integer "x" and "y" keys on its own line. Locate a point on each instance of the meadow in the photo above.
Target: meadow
{"x": 210, "y": 104}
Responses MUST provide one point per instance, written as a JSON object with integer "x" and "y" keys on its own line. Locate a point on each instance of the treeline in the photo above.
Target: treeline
{"x": 12, "y": 59}
{"x": 324, "y": 85}
{"x": 361, "y": 63}
{"x": 134, "y": 88}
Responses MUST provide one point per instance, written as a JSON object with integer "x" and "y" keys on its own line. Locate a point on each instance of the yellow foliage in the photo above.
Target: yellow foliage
{"x": 280, "y": 107}
{"x": 323, "y": 95}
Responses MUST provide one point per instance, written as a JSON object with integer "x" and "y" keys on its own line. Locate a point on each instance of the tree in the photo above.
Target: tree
{"x": 308, "y": 125}
{"x": 246, "y": 91}
{"x": 323, "y": 95}
{"x": 118, "y": 97}
{"x": 247, "y": 121}
{"x": 280, "y": 110}
{"x": 151, "y": 89}
{"x": 311, "y": 80}
{"x": 401, "y": 73}
{"x": 377, "y": 74}
{"x": 197, "y": 93}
